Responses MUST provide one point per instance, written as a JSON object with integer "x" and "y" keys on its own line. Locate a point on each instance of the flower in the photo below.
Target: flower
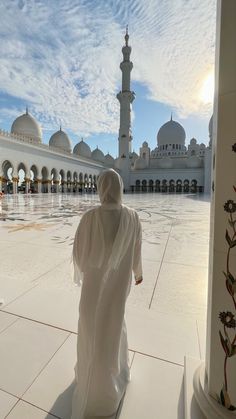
{"x": 234, "y": 147}
{"x": 227, "y": 318}
{"x": 230, "y": 206}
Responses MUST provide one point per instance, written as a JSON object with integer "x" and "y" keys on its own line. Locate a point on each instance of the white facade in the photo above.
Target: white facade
{"x": 170, "y": 167}
{"x": 46, "y": 168}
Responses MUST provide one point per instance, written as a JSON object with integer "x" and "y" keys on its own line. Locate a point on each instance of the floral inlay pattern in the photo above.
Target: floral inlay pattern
{"x": 29, "y": 226}
{"x": 227, "y": 318}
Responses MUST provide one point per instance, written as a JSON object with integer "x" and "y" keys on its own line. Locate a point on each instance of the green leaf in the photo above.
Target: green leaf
{"x": 224, "y": 344}
{"x": 233, "y": 244}
{"x": 228, "y": 239}
{"x": 228, "y": 343}
{"x": 231, "y": 288}
{"x": 229, "y": 277}
{"x": 233, "y": 350}
{"x": 232, "y": 223}
{"x": 225, "y": 399}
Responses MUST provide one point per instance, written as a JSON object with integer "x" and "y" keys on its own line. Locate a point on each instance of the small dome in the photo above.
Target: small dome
{"x": 193, "y": 162}
{"x": 98, "y": 155}
{"x": 145, "y": 144}
{"x": 82, "y": 149}
{"x": 140, "y": 164}
{"x": 60, "y": 140}
{"x": 165, "y": 163}
{"x": 171, "y": 133}
{"x": 133, "y": 156}
{"x": 26, "y": 126}
{"x": 193, "y": 141}
{"x": 109, "y": 160}
{"x": 202, "y": 146}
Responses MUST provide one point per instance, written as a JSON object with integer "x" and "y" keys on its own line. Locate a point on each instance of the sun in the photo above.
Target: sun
{"x": 207, "y": 90}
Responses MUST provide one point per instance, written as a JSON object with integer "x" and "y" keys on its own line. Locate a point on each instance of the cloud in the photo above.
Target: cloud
{"x": 62, "y": 57}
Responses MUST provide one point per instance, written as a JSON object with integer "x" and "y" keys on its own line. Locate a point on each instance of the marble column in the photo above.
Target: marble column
{"x": 39, "y": 185}
{"x": 44, "y": 186}
{"x": 15, "y": 184}
{"x": 62, "y": 186}
{"x": 27, "y": 185}
{"x": 215, "y": 381}
{"x": 56, "y": 184}
{"x": 49, "y": 182}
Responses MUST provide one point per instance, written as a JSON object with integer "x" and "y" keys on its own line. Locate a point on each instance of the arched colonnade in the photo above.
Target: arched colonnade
{"x": 170, "y": 186}
{"x": 20, "y": 177}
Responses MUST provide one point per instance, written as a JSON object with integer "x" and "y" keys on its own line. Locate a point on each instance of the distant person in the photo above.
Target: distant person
{"x": 107, "y": 248}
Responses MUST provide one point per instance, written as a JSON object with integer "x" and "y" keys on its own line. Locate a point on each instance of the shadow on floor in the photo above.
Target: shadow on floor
{"x": 180, "y": 413}
{"x": 61, "y": 408}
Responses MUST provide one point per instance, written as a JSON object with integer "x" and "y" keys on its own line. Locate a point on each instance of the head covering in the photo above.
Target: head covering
{"x": 110, "y": 187}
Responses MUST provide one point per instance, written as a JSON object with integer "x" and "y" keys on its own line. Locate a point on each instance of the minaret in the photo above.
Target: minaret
{"x": 125, "y": 97}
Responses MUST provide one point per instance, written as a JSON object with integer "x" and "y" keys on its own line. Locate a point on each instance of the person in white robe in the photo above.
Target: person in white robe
{"x": 107, "y": 248}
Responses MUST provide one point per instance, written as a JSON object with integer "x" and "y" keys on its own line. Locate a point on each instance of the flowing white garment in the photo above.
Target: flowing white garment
{"x": 107, "y": 248}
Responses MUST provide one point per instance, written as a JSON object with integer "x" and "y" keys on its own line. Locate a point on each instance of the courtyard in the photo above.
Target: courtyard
{"x": 166, "y": 315}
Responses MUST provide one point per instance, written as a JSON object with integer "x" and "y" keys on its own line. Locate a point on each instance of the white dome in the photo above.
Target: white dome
{"x": 109, "y": 160}
{"x": 193, "y": 162}
{"x": 165, "y": 163}
{"x": 82, "y": 149}
{"x": 98, "y": 155}
{"x": 171, "y": 133}
{"x": 60, "y": 140}
{"x": 193, "y": 141}
{"x": 25, "y": 125}
{"x": 140, "y": 164}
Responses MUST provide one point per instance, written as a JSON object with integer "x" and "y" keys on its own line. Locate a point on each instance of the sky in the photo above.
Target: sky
{"x": 61, "y": 58}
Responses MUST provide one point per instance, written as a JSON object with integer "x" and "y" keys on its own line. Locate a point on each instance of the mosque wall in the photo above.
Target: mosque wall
{"x": 174, "y": 180}
{"x": 39, "y": 163}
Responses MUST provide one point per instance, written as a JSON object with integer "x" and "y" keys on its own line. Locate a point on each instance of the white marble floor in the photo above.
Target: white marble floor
{"x": 165, "y": 316}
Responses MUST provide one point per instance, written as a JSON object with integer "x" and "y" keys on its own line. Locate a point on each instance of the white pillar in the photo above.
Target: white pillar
{"x": 62, "y": 186}
{"x": 49, "y": 182}
{"x": 39, "y": 185}
{"x": 15, "y": 184}
{"x": 215, "y": 382}
{"x": 56, "y": 184}
{"x": 27, "y": 185}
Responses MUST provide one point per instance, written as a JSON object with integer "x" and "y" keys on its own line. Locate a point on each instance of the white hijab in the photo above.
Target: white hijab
{"x": 89, "y": 244}
{"x": 110, "y": 188}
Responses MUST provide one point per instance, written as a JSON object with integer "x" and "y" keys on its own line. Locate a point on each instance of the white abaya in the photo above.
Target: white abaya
{"x": 107, "y": 248}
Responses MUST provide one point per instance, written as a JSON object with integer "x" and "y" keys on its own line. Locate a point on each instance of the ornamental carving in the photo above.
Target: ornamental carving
{"x": 228, "y": 318}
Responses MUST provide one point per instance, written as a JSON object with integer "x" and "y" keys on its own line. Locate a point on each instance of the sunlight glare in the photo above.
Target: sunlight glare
{"x": 207, "y": 91}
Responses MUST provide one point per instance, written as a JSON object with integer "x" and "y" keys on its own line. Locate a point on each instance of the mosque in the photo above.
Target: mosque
{"x": 55, "y": 167}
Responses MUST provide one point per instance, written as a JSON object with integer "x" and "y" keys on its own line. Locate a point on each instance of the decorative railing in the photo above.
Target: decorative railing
{"x": 25, "y": 139}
